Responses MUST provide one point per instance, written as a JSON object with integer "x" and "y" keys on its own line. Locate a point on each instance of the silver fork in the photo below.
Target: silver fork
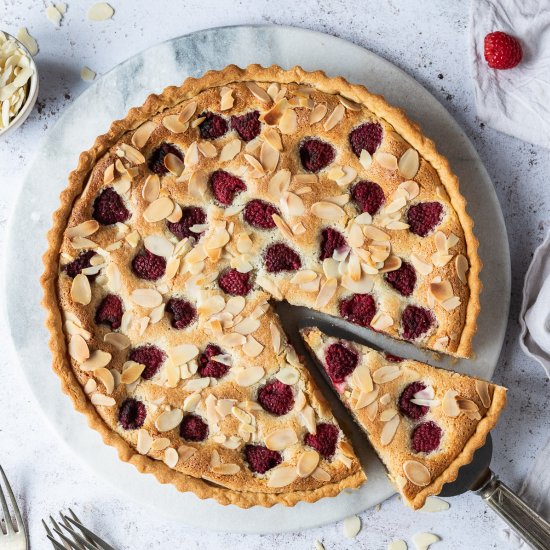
{"x": 13, "y": 535}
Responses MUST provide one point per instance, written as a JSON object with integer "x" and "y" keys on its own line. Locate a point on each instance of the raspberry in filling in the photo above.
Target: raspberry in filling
{"x": 316, "y": 154}
{"x": 131, "y": 414}
{"x": 276, "y": 397}
{"x": 402, "y": 279}
{"x": 340, "y": 362}
{"x": 426, "y": 437}
{"x": 225, "y": 186}
{"x": 109, "y": 208}
{"x": 149, "y": 266}
{"x": 235, "y": 283}
{"x": 279, "y": 257}
{"x": 192, "y": 215}
{"x": 193, "y": 428}
{"x": 183, "y": 313}
{"x": 424, "y": 217}
{"x": 213, "y": 126}
{"x": 208, "y": 367}
{"x": 82, "y": 261}
{"x": 150, "y": 356}
{"x": 330, "y": 241}
{"x": 393, "y": 358}
{"x": 367, "y": 136}
{"x": 358, "y": 309}
{"x": 410, "y": 409}
{"x": 324, "y": 441}
{"x": 368, "y": 196}
{"x": 259, "y": 214}
{"x": 416, "y": 321}
{"x": 156, "y": 160}
{"x": 261, "y": 459}
{"x": 248, "y": 126}
{"x": 109, "y": 311}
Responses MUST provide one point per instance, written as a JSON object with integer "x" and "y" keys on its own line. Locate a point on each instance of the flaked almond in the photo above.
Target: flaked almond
{"x": 230, "y": 150}
{"x": 78, "y": 348}
{"x": 249, "y": 376}
{"x": 482, "y": 389}
{"x": 374, "y": 233}
{"x": 109, "y": 174}
{"x": 226, "y": 98}
{"x": 441, "y": 242}
{"x": 275, "y": 114}
{"x": 117, "y": 340}
{"x": 174, "y": 165}
{"x": 102, "y": 400}
{"x": 288, "y": 375}
{"x": 81, "y": 292}
{"x": 106, "y": 378}
{"x": 451, "y": 303}
{"x": 441, "y": 291}
{"x": 320, "y": 475}
{"x": 326, "y": 293}
{"x": 159, "y": 245}
{"x": 466, "y": 404}
{"x": 79, "y": 243}
{"x": 365, "y": 399}
{"x": 349, "y": 104}
{"x": 362, "y": 379}
{"x": 450, "y": 405}
{"x": 386, "y": 160}
{"x": 168, "y": 420}
{"x": 282, "y": 476}
{"x": 226, "y": 469}
{"x": 307, "y": 463}
{"x": 143, "y": 133}
{"x": 97, "y": 360}
{"x": 84, "y": 229}
{"x": 416, "y": 473}
{"x": 381, "y": 321}
{"x": 303, "y": 276}
{"x": 289, "y": 122}
{"x": 159, "y": 209}
{"x": 188, "y": 111}
{"x": 282, "y": 226}
{"x": 423, "y": 541}
{"x": 327, "y": 211}
{"x": 392, "y": 263}
{"x": 279, "y": 183}
{"x": 146, "y": 297}
{"x": 352, "y": 526}
{"x": 461, "y": 266}
{"x": 247, "y": 326}
{"x": 144, "y": 441}
{"x": 151, "y": 188}
{"x": 258, "y": 92}
{"x": 171, "y": 457}
{"x": 423, "y": 267}
{"x": 270, "y": 286}
{"x": 365, "y": 159}
{"x": 183, "y": 353}
{"x": 252, "y": 348}
{"x": 233, "y": 339}
{"x": 279, "y": 440}
{"x": 318, "y": 113}
{"x": 132, "y": 154}
{"x": 334, "y": 118}
{"x": 409, "y": 163}
{"x": 173, "y": 124}
{"x": 275, "y": 337}
{"x": 386, "y": 374}
{"x": 292, "y": 204}
{"x": 410, "y": 188}
{"x": 197, "y": 384}
{"x": 207, "y": 149}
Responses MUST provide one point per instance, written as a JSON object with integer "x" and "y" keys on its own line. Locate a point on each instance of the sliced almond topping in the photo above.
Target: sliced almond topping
{"x": 424, "y": 268}
{"x": 387, "y": 415}
{"x": 293, "y": 204}
{"x": 391, "y": 263}
{"x": 396, "y": 205}
{"x": 252, "y": 348}
{"x": 451, "y": 303}
{"x": 226, "y": 98}
{"x": 159, "y": 209}
{"x": 450, "y": 405}
{"x": 461, "y": 265}
{"x": 409, "y": 163}
{"x": 269, "y": 285}
{"x": 327, "y": 291}
{"x": 374, "y": 233}
{"x": 386, "y": 160}
{"x": 281, "y": 439}
{"x": 441, "y": 242}
{"x": 275, "y": 114}
{"x": 81, "y": 242}
{"x": 151, "y": 188}
{"x": 226, "y": 469}
{"x": 171, "y": 457}
{"x": 352, "y": 526}
{"x": 466, "y": 404}
{"x": 423, "y": 540}
{"x": 411, "y": 188}
{"x": 188, "y": 111}
{"x": 365, "y": 159}
{"x": 207, "y": 149}
{"x": 109, "y": 174}
{"x": 288, "y": 375}
{"x": 318, "y": 113}
{"x": 249, "y": 376}
{"x": 235, "y": 305}
{"x": 197, "y": 384}
{"x": 102, "y": 400}
{"x": 106, "y": 378}
{"x": 320, "y": 475}
{"x": 307, "y": 463}
{"x": 258, "y": 92}
{"x": 183, "y": 353}
{"x": 144, "y": 441}
{"x": 279, "y": 183}
{"x": 247, "y": 326}
{"x": 441, "y": 291}
{"x": 381, "y": 321}
{"x": 303, "y": 276}
{"x": 365, "y": 399}
{"x": 146, "y": 297}
{"x": 282, "y": 476}
{"x": 168, "y": 420}
{"x": 78, "y": 348}
{"x": 131, "y": 371}
{"x": 174, "y": 124}
{"x": 84, "y": 229}
{"x": 416, "y": 473}
{"x": 117, "y": 340}
{"x": 362, "y": 379}
{"x": 233, "y": 339}
{"x": 100, "y": 11}
{"x": 81, "y": 292}
{"x": 174, "y": 165}
{"x": 327, "y": 211}
{"x": 230, "y": 150}
{"x": 275, "y": 337}
{"x": 349, "y": 104}
{"x": 482, "y": 389}
{"x": 97, "y": 360}
{"x": 289, "y": 122}
{"x": 386, "y": 374}
{"x": 282, "y": 227}
{"x": 132, "y": 154}
{"x": 334, "y": 118}
{"x": 159, "y": 245}
{"x": 143, "y": 133}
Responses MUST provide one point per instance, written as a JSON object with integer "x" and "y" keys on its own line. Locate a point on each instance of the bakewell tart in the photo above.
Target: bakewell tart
{"x": 182, "y": 222}
{"x": 424, "y": 422}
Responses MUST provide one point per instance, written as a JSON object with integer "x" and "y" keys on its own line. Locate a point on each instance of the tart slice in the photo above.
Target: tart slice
{"x": 424, "y": 422}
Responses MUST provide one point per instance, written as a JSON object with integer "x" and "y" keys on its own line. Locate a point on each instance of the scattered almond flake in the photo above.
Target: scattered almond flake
{"x": 143, "y": 133}
{"x": 275, "y": 114}
{"x": 159, "y": 209}
{"x": 144, "y": 441}
{"x": 97, "y": 360}
{"x": 256, "y": 170}
{"x": 461, "y": 266}
{"x": 252, "y": 348}
{"x": 466, "y": 404}
{"x": 482, "y": 389}
{"x": 288, "y": 375}
{"x": 188, "y": 111}
{"x": 389, "y": 430}
{"x": 53, "y": 14}
{"x": 441, "y": 291}
{"x": 318, "y": 545}
{"x": 174, "y": 124}
{"x": 78, "y": 348}
{"x": 422, "y": 541}
{"x": 327, "y": 211}
{"x": 186, "y": 452}
{"x": 81, "y": 292}
{"x": 226, "y": 469}
{"x": 420, "y": 265}
{"x": 270, "y": 286}
{"x": 366, "y": 398}
{"x": 230, "y": 150}
{"x": 27, "y": 40}
{"x": 146, "y": 297}
{"x": 84, "y": 229}
{"x": 106, "y": 378}
{"x": 100, "y": 12}
{"x": 226, "y": 98}
{"x": 247, "y": 326}
{"x": 434, "y": 504}
{"x": 131, "y": 371}
{"x": 352, "y": 526}
{"x": 258, "y": 92}
{"x": 409, "y": 163}
{"x": 171, "y": 457}
{"x": 321, "y": 475}
{"x": 451, "y": 303}
{"x": 174, "y": 165}
{"x": 159, "y": 245}
{"x": 289, "y": 122}
{"x": 249, "y": 376}
{"x": 388, "y": 414}
{"x": 279, "y": 440}
{"x": 441, "y": 242}
{"x": 334, "y": 118}
{"x": 279, "y": 183}
{"x": 269, "y": 157}
{"x": 397, "y": 544}
{"x": 275, "y": 337}
{"x": 273, "y": 137}
{"x": 307, "y": 463}
{"x": 233, "y": 340}
{"x": 168, "y": 420}
{"x": 381, "y": 321}
{"x": 87, "y": 74}
{"x": 385, "y": 399}
{"x": 207, "y": 149}
{"x": 326, "y": 293}
{"x": 362, "y": 379}
{"x": 282, "y": 476}
{"x": 102, "y": 400}
{"x": 374, "y": 233}
{"x": 411, "y": 189}
{"x": 417, "y": 473}
{"x": 118, "y": 340}
{"x": 386, "y": 374}
{"x": 385, "y": 160}
{"x": 365, "y": 159}
{"x": 160, "y": 444}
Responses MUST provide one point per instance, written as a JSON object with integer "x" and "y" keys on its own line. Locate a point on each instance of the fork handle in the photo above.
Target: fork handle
{"x": 529, "y": 525}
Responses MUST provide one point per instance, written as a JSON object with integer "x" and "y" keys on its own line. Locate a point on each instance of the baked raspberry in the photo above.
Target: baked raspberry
{"x": 131, "y": 414}
{"x": 424, "y": 217}
{"x": 340, "y": 362}
{"x": 324, "y": 441}
{"x": 82, "y": 261}
{"x": 402, "y": 279}
{"x": 156, "y": 160}
{"x": 192, "y": 215}
{"x": 208, "y": 367}
{"x": 150, "y": 356}
{"x": 259, "y": 214}
{"x": 426, "y": 437}
{"x": 410, "y": 409}
{"x": 248, "y": 126}
{"x": 279, "y": 257}
{"x": 109, "y": 208}
{"x": 358, "y": 309}
{"x": 416, "y": 321}
{"x": 368, "y": 196}
{"x": 276, "y": 397}
{"x": 393, "y": 358}
{"x": 225, "y": 186}
{"x": 213, "y": 126}
{"x": 149, "y": 266}
{"x": 193, "y": 428}
{"x": 109, "y": 311}
{"x": 501, "y": 50}
{"x": 261, "y": 459}
{"x": 330, "y": 241}
{"x": 183, "y": 312}
{"x": 316, "y": 154}
{"x": 367, "y": 136}
{"x": 235, "y": 283}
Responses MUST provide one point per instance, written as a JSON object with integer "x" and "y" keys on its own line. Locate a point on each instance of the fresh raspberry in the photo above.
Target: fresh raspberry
{"x": 248, "y": 126}
{"x": 393, "y": 358}
{"x": 235, "y": 283}
{"x": 259, "y": 214}
{"x": 207, "y": 367}
{"x": 279, "y": 257}
{"x": 358, "y": 309}
{"x": 156, "y": 160}
{"x": 316, "y": 154}
{"x": 324, "y": 441}
{"x": 109, "y": 208}
{"x": 276, "y": 397}
{"x": 109, "y": 311}
{"x": 183, "y": 312}
{"x": 426, "y": 437}
{"x": 193, "y": 428}
{"x": 410, "y": 409}
{"x": 150, "y": 356}
{"x": 416, "y": 321}
{"x": 131, "y": 414}
{"x": 330, "y": 241}
{"x": 424, "y": 217}
{"x": 225, "y": 186}
{"x": 402, "y": 279}
{"x": 502, "y": 51}
{"x": 192, "y": 215}
{"x": 213, "y": 126}
{"x": 341, "y": 362}
{"x": 82, "y": 261}
{"x": 261, "y": 459}
{"x": 368, "y": 196}
{"x": 149, "y": 266}
{"x": 367, "y": 136}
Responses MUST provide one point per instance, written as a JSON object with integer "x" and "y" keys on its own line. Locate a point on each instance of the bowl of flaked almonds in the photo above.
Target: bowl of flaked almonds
{"x": 18, "y": 83}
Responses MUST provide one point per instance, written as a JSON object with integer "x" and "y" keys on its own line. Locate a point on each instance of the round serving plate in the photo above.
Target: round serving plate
{"x": 128, "y": 85}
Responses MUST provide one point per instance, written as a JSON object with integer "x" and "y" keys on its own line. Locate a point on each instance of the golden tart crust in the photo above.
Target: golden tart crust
{"x": 308, "y": 204}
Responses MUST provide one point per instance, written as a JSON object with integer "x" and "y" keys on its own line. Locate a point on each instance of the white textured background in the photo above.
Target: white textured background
{"x": 426, "y": 39}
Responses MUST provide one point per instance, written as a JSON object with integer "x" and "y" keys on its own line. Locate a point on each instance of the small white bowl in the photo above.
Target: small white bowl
{"x": 32, "y": 95}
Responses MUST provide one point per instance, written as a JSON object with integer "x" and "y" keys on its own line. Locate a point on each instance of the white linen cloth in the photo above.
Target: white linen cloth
{"x": 514, "y": 101}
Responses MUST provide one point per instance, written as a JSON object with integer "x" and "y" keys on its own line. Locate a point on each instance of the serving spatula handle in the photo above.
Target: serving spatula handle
{"x": 531, "y": 527}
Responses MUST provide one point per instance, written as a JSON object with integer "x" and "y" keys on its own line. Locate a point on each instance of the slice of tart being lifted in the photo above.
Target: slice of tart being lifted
{"x": 424, "y": 422}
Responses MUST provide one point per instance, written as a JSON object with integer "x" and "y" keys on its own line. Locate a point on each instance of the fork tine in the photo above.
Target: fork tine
{"x": 7, "y": 517}
{"x": 19, "y": 525}
{"x": 102, "y": 544}
{"x": 56, "y": 527}
{"x": 77, "y": 519}
{"x": 73, "y": 545}
{"x": 81, "y": 540}
{"x": 56, "y": 544}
